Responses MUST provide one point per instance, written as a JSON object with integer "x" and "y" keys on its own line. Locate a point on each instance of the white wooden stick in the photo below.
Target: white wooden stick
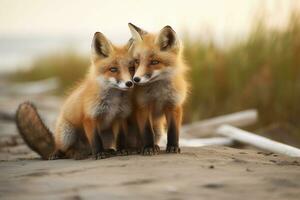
{"x": 199, "y": 142}
{"x": 257, "y": 141}
{"x": 239, "y": 119}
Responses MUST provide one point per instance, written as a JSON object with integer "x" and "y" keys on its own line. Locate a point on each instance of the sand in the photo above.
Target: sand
{"x": 196, "y": 173}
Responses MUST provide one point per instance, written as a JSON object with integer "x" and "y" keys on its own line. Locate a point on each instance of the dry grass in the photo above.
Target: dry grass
{"x": 262, "y": 71}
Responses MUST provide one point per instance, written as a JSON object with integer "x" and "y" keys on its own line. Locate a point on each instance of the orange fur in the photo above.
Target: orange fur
{"x": 83, "y": 109}
{"x": 161, "y": 75}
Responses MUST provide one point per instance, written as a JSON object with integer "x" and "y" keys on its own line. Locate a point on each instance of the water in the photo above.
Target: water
{"x": 18, "y": 53}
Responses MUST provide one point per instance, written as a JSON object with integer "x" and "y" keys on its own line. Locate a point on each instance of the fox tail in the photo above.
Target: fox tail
{"x": 34, "y": 131}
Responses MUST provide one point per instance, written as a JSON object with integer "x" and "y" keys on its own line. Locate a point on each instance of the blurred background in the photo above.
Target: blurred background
{"x": 242, "y": 53}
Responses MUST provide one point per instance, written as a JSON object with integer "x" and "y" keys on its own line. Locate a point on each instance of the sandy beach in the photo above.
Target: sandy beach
{"x": 222, "y": 75}
{"x": 196, "y": 173}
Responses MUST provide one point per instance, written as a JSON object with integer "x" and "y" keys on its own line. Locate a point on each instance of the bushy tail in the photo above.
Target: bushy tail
{"x": 33, "y": 130}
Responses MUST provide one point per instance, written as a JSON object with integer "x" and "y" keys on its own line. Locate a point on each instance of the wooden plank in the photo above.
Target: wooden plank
{"x": 257, "y": 141}
{"x": 199, "y": 142}
{"x": 207, "y": 127}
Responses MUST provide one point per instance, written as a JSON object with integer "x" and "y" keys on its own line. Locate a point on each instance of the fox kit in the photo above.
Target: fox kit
{"x": 95, "y": 112}
{"x": 160, "y": 88}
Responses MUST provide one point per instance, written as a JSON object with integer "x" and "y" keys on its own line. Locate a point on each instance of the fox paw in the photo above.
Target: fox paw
{"x": 138, "y": 150}
{"x": 173, "y": 149}
{"x": 151, "y": 150}
{"x": 134, "y": 150}
{"x": 56, "y": 155}
{"x": 123, "y": 152}
{"x": 79, "y": 156}
{"x": 110, "y": 152}
{"x": 53, "y": 157}
{"x": 100, "y": 155}
{"x": 157, "y": 148}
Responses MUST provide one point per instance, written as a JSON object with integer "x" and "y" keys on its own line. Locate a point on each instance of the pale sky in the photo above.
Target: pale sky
{"x": 33, "y": 28}
{"x": 217, "y": 18}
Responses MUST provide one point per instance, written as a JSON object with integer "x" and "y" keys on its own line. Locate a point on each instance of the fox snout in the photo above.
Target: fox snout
{"x": 125, "y": 84}
{"x": 139, "y": 80}
{"x": 115, "y": 83}
{"x": 141, "y": 76}
{"x": 147, "y": 77}
{"x": 136, "y": 79}
{"x": 129, "y": 84}
{"x": 142, "y": 79}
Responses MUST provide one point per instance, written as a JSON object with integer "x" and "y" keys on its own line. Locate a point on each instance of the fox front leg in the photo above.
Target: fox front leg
{"x": 174, "y": 118}
{"x": 94, "y": 139}
{"x": 122, "y": 139}
{"x": 122, "y": 148}
{"x": 97, "y": 145}
{"x": 149, "y": 140}
{"x": 146, "y": 131}
{"x": 109, "y": 141}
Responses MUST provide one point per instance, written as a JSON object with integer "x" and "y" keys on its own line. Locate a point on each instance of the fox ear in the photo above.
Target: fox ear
{"x": 101, "y": 47}
{"x": 129, "y": 44}
{"x": 136, "y": 32}
{"x": 167, "y": 39}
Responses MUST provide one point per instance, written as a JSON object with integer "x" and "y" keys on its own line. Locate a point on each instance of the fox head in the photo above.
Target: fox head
{"x": 112, "y": 66}
{"x": 156, "y": 56}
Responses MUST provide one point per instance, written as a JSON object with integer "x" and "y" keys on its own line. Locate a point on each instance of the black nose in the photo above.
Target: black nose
{"x": 129, "y": 83}
{"x": 137, "y": 79}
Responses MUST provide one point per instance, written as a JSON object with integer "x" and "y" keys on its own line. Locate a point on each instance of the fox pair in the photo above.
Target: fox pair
{"x": 129, "y": 97}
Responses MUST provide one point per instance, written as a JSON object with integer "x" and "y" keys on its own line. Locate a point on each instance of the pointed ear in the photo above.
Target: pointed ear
{"x": 167, "y": 39}
{"x": 136, "y": 32}
{"x": 129, "y": 44}
{"x": 101, "y": 46}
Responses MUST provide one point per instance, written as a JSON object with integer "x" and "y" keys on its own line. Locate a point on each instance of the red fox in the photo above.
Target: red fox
{"x": 95, "y": 111}
{"x": 160, "y": 88}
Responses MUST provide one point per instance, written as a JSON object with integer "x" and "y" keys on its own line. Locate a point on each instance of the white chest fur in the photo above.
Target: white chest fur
{"x": 159, "y": 94}
{"x": 112, "y": 104}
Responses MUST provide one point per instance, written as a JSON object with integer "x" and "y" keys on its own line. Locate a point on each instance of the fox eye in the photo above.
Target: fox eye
{"x": 154, "y": 62}
{"x": 131, "y": 69}
{"x": 113, "y": 69}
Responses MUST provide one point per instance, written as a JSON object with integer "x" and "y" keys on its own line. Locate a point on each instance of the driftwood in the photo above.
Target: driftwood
{"x": 207, "y": 127}
{"x": 257, "y": 141}
{"x": 198, "y": 142}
